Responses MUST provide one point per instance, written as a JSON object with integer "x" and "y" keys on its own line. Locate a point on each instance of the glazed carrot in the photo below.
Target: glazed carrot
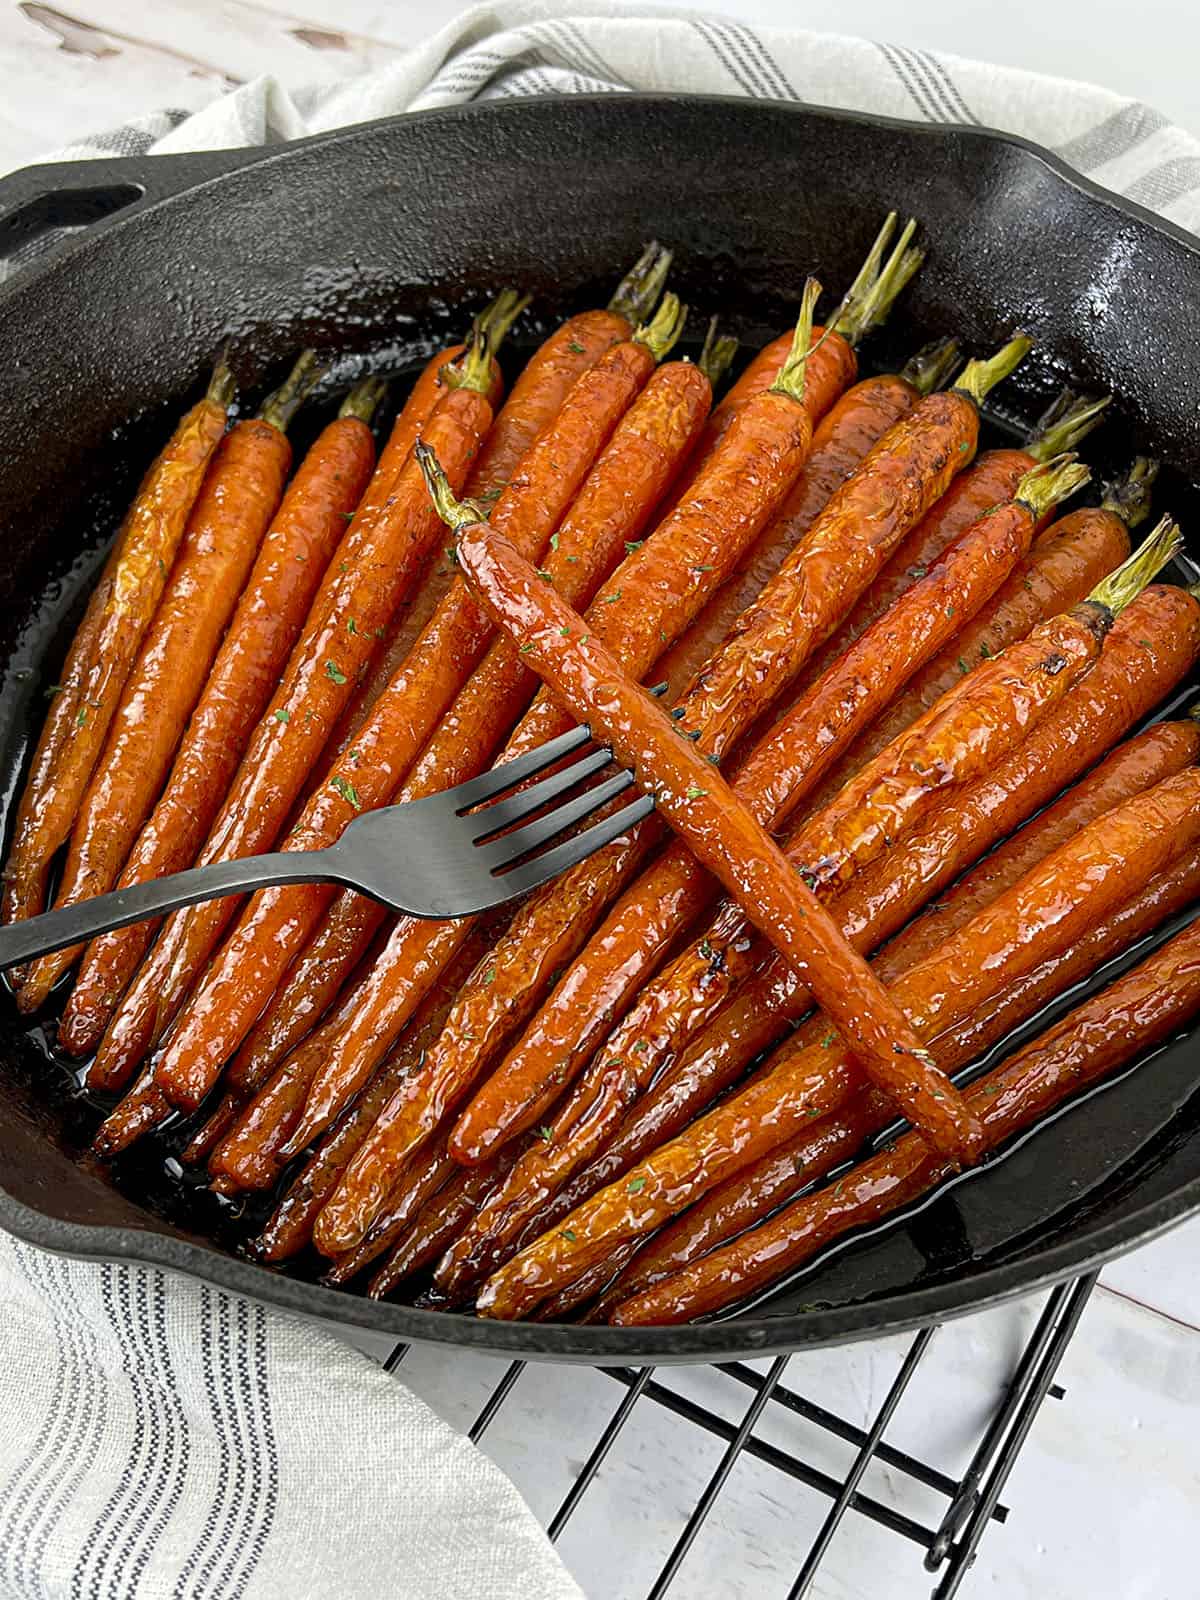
{"x": 290, "y": 1226}
{"x": 1151, "y": 648}
{"x": 661, "y": 584}
{"x": 389, "y": 549}
{"x": 249, "y": 1154}
{"x": 1065, "y": 564}
{"x": 675, "y": 889}
{"x": 657, "y": 590}
{"x": 607, "y": 518}
{"x": 140, "y": 1111}
{"x": 833, "y": 364}
{"x": 995, "y": 706}
{"x": 915, "y": 459}
{"x": 700, "y": 805}
{"x": 232, "y": 512}
{"x": 1166, "y": 895}
{"x": 104, "y": 649}
{"x": 957, "y": 741}
{"x": 436, "y": 1224}
{"x": 559, "y": 361}
{"x": 856, "y": 421}
{"x": 269, "y": 615}
{"x": 277, "y": 921}
{"x": 748, "y": 1197}
{"x": 1044, "y": 913}
{"x": 417, "y": 1185}
{"x": 712, "y": 1063}
{"x": 1111, "y": 1028}
{"x": 991, "y": 479}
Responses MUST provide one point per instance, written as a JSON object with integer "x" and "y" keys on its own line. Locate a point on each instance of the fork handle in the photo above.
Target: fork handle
{"x": 54, "y": 930}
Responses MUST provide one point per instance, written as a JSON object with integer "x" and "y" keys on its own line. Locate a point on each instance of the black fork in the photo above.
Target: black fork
{"x": 450, "y": 855}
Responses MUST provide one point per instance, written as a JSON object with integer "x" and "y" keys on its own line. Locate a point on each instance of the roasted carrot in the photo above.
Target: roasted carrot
{"x": 988, "y": 481}
{"x": 277, "y": 921}
{"x": 748, "y": 1197}
{"x": 771, "y": 781}
{"x": 695, "y": 561}
{"x": 553, "y": 369}
{"x": 268, "y": 619}
{"x": 957, "y": 741}
{"x": 1000, "y": 701}
{"x": 1051, "y": 906}
{"x": 607, "y": 518}
{"x": 250, "y": 1154}
{"x": 834, "y": 365}
{"x": 1166, "y": 895}
{"x": 140, "y": 1111}
{"x": 235, "y": 506}
{"x": 661, "y": 583}
{"x": 586, "y": 677}
{"x": 436, "y": 1224}
{"x": 417, "y": 1185}
{"x": 389, "y": 549}
{"x": 290, "y": 1226}
{"x": 712, "y": 1063}
{"x": 855, "y": 422}
{"x": 558, "y": 920}
{"x": 1108, "y": 1030}
{"x": 1065, "y": 564}
{"x": 103, "y": 651}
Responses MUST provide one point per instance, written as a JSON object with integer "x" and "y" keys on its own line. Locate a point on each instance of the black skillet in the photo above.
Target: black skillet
{"x": 377, "y": 241}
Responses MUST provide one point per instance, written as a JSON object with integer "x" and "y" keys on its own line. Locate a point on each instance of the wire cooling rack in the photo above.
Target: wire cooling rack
{"x": 968, "y": 1504}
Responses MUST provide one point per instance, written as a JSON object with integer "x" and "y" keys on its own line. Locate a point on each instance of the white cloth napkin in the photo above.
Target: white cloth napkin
{"x": 162, "y": 1438}
{"x": 526, "y": 47}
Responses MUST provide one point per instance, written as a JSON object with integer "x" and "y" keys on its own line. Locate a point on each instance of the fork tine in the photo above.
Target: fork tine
{"x": 498, "y": 780}
{"x": 525, "y": 803}
{"x": 512, "y": 846}
{"x": 532, "y": 874}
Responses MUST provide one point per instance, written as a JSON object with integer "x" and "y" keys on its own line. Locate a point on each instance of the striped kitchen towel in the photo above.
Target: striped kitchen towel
{"x": 515, "y": 47}
{"x": 165, "y": 1441}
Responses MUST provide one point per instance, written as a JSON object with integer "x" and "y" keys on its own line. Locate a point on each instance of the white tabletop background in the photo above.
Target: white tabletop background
{"x": 1105, "y": 1496}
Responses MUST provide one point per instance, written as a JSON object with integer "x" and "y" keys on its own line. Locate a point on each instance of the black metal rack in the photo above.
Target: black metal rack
{"x": 972, "y": 1501}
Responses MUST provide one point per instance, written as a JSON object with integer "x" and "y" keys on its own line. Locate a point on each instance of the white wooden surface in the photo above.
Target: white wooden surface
{"x": 1106, "y": 1493}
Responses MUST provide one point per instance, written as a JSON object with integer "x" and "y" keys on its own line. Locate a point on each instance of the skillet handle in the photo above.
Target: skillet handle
{"x": 44, "y": 209}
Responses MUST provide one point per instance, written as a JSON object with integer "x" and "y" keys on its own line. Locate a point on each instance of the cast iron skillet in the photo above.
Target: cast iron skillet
{"x": 372, "y": 242}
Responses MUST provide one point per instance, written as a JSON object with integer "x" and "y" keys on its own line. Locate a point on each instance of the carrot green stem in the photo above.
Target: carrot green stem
{"x": 279, "y": 408}
{"x": 932, "y": 366}
{"x": 363, "y": 399}
{"x": 1047, "y": 485}
{"x": 719, "y": 350}
{"x": 979, "y": 378}
{"x": 1068, "y": 421}
{"x": 664, "y": 327}
{"x": 495, "y": 320}
{"x": 638, "y": 291}
{"x": 473, "y": 369}
{"x": 791, "y": 377}
{"x": 898, "y": 271}
{"x": 845, "y": 316}
{"x": 221, "y": 386}
{"x": 1130, "y": 496}
{"x": 1128, "y": 580}
{"x": 455, "y": 513}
